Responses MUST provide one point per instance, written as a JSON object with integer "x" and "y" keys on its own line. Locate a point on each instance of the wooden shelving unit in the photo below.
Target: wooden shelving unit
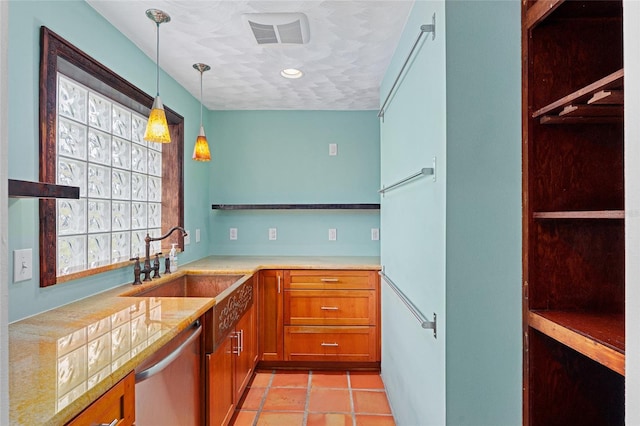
{"x": 573, "y": 212}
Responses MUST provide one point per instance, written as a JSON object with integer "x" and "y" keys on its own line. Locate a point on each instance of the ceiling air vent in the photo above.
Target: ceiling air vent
{"x": 279, "y": 28}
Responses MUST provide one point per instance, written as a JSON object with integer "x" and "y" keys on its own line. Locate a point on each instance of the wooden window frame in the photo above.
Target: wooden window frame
{"x": 57, "y": 54}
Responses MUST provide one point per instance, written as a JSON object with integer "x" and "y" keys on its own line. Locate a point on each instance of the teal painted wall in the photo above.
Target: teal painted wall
{"x": 413, "y": 223}
{"x": 81, "y": 25}
{"x": 472, "y": 229}
{"x": 484, "y": 210}
{"x": 271, "y": 157}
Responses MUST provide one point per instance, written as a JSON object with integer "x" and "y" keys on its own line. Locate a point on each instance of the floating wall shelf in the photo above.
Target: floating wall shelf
{"x": 371, "y": 206}
{"x": 24, "y": 189}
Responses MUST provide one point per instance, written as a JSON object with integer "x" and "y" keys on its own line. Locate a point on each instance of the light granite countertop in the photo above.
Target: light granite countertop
{"x": 62, "y": 360}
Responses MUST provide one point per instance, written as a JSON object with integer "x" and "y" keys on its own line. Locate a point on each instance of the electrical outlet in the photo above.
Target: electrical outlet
{"x": 333, "y": 234}
{"x": 333, "y": 149}
{"x": 233, "y": 234}
{"x": 273, "y": 234}
{"x": 197, "y": 235}
{"x": 375, "y": 234}
{"x": 187, "y": 238}
{"x": 22, "y": 265}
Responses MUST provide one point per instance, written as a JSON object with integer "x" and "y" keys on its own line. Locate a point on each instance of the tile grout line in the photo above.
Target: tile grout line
{"x": 264, "y": 398}
{"x": 353, "y": 408}
{"x": 305, "y": 414}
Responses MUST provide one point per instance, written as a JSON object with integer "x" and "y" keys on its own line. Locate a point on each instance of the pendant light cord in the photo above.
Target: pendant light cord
{"x": 157, "y": 58}
{"x": 201, "y": 98}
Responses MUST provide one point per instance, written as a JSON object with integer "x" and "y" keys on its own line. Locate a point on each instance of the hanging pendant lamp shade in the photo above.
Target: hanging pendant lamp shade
{"x": 157, "y": 127}
{"x": 201, "y": 149}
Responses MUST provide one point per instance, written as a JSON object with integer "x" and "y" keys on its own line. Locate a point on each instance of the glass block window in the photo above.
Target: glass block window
{"x": 100, "y": 149}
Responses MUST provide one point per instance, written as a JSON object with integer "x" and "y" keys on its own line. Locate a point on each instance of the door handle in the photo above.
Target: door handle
{"x": 236, "y": 350}
{"x": 329, "y": 308}
{"x": 329, "y": 344}
{"x": 278, "y": 284}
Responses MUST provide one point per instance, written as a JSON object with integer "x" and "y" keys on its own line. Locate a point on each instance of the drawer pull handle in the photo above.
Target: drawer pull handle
{"x": 113, "y": 423}
{"x": 329, "y": 308}
{"x": 329, "y": 280}
{"x": 329, "y": 344}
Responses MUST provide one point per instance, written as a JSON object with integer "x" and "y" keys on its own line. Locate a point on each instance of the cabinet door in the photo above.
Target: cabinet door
{"x": 116, "y": 404}
{"x": 270, "y": 292}
{"x": 220, "y": 383}
{"x": 245, "y": 352}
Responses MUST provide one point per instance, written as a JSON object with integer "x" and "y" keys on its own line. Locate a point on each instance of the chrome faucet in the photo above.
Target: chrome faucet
{"x": 147, "y": 269}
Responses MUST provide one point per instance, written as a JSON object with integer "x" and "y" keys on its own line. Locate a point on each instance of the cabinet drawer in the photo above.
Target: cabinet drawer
{"x": 330, "y": 279}
{"x": 314, "y": 343}
{"x": 330, "y": 307}
{"x": 117, "y": 403}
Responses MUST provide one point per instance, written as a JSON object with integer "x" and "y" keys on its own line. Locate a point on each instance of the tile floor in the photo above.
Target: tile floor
{"x": 314, "y": 398}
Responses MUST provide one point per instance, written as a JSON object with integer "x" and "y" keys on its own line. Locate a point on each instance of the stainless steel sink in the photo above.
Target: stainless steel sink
{"x": 190, "y": 286}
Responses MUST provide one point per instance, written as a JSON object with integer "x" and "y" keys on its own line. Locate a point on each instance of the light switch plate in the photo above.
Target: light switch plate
{"x": 22, "y": 265}
{"x": 197, "y": 235}
{"x": 333, "y": 149}
{"x": 233, "y": 234}
{"x": 375, "y": 234}
{"x": 333, "y": 234}
{"x": 273, "y": 234}
{"x": 187, "y": 238}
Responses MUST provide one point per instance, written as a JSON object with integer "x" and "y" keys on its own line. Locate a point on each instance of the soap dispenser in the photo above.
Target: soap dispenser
{"x": 173, "y": 259}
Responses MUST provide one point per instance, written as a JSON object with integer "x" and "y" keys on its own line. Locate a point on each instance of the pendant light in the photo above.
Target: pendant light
{"x": 201, "y": 149}
{"x": 157, "y": 127}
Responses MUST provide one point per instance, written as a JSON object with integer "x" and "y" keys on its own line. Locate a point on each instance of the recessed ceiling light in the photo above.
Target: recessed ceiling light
{"x": 291, "y": 73}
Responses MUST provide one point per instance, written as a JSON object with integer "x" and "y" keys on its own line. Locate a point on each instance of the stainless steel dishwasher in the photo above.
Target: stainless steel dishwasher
{"x": 169, "y": 385}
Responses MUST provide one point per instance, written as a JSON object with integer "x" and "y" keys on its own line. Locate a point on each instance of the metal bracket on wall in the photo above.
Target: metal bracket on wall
{"x": 425, "y": 171}
{"x": 424, "y": 322}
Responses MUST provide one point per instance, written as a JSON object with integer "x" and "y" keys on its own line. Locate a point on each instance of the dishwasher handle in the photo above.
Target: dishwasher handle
{"x": 164, "y": 362}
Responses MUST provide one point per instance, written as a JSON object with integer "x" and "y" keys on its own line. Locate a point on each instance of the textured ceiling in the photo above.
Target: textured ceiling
{"x": 350, "y": 47}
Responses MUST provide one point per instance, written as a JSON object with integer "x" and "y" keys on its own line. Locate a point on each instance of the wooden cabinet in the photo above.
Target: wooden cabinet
{"x": 220, "y": 389}
{"x": 230, "y": 369}
{"x": 573, "y": 212}
{"x": 245, "y": 351}
{"x": 331, "y": 316}
{"x": 118, "y": 403}
{"x": 270, "y": 315}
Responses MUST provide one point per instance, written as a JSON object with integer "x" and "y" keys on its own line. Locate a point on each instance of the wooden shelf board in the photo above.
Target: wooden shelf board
{"x": 587, "y": 110}
{"x": 599, "y": 336}
{"x": 612, "y": 81}
{"x": 540, "y": 10}
{"x": 371, "y": 206}
{"x": 554, "y": 119}
{"x": 596, "y": 214}
{"x": 27, "y": 189}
